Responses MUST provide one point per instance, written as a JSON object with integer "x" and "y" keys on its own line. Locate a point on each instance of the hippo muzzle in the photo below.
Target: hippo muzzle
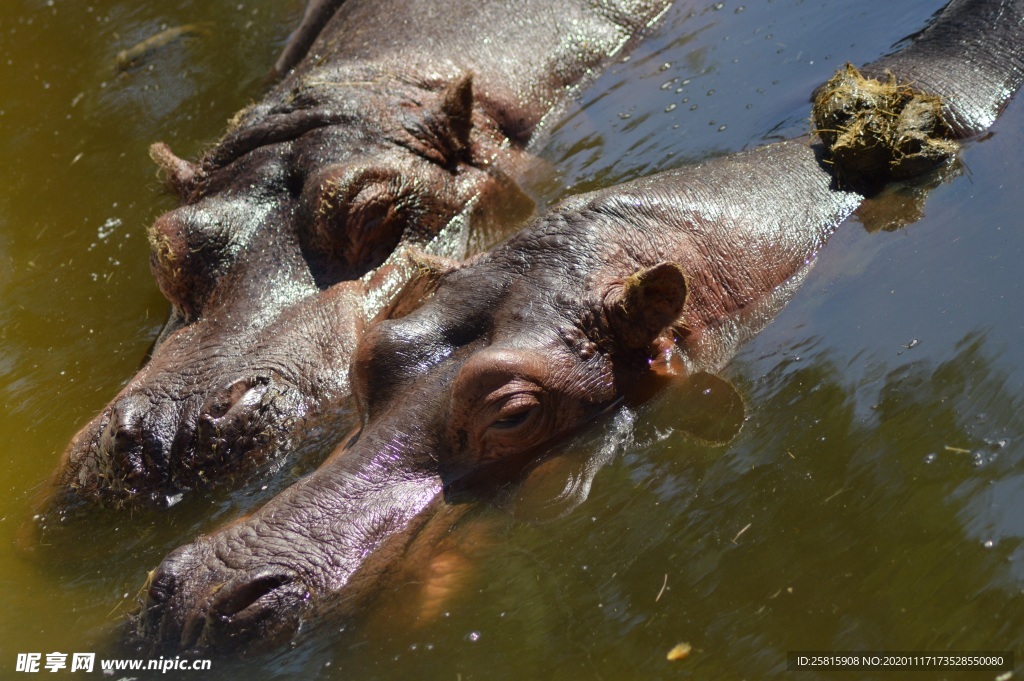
{"x": 328, "y": 545}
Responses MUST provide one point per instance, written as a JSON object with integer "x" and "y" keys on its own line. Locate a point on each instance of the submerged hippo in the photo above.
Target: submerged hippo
{"x": 395, "y": 118}
{"x": 532, "y": 340}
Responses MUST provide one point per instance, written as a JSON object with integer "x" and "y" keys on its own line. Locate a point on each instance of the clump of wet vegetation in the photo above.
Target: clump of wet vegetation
{"x": 876, "y": 131}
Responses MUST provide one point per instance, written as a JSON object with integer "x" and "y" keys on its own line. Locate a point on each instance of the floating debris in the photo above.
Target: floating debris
{"x": 877, "y": 131}
{"x": 679, "y": 652}
{"x": 136, "y": 54}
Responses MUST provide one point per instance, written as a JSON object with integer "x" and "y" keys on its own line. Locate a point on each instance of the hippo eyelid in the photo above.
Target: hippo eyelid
{"x": 513, "y": 410}
{"x": 513, "y": 421}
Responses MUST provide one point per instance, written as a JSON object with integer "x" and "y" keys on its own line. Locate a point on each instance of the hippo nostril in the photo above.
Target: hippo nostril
{"x": 162, "y": 583}
{"x": 244, "y": 392}
{"x": 123, "y": 435}
{"x": 243, "y": 592}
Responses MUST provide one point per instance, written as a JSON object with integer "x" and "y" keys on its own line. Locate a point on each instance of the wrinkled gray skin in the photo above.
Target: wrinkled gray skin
{"x": 530, "y": 341}
{"x": 402, "y": 115}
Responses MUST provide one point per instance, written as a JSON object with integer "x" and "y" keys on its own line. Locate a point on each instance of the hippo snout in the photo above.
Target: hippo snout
{"x": 160, "y": 438}
{"x": 327, "y": 546}
{"x": 196, "y": 602}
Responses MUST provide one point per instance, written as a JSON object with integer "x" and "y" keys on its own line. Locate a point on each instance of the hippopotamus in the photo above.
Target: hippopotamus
{"x": 392, "y": 122}
{"x": 465, "y": 394}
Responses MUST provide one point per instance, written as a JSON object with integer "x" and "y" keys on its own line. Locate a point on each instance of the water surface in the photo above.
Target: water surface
{"x": 873, "y": 499}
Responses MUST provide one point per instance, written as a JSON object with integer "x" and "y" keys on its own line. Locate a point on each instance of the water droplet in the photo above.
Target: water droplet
{"x": 665, "y": 67}
{"x": 710, "y": 92}
{"x": 624, "y": 115}
{"x": 739, "y": 9}
{"x": 670, "y": 107}
{"x": 473, "y": 636}
{"x": 669, "y": 83}
{"x": 721, "y": 128}
{"x": 930, "y": 457}
{"x": 693, "y": 107}
{"x": 718, "y": 6}
{"x": 989, "y": 544}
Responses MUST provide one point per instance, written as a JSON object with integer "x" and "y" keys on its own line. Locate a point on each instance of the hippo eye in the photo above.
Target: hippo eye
{"x": 358, "y": 216}
{"x": 516, "y": 411}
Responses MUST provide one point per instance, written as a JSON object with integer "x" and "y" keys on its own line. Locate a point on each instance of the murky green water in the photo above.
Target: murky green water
{"x": 872, "y": 501}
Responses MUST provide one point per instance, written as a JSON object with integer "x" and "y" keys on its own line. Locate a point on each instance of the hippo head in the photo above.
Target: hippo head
{"x": 262, "y": 266}
{"x": 457, "y": 399}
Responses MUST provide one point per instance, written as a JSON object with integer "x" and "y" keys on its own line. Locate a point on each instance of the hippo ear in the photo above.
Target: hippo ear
{"x": 457, "y": 108}
{"x": 640, "y": 308}
{"x": 179, "y": 174}
{"x": 441, "y": 132}
{"x": 419, "y": 274}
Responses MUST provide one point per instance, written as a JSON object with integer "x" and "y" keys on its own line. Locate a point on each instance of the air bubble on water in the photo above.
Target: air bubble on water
{"x": 107, "y": 228}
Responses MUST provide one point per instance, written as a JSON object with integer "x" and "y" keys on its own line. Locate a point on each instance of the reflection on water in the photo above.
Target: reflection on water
{"x": 872, "y": 499}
